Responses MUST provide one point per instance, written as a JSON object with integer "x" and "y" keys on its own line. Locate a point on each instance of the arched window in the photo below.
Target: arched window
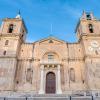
{"x": 4, "y": 53}
{"x": 90, "y": 28}
{"x": 11, "y": 28}
{"x": 72, "y": 74}
{"x": 6, "y": 42}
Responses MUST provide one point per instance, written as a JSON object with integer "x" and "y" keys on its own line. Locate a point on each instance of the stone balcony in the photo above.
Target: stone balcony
{"x": 50, "y": 62}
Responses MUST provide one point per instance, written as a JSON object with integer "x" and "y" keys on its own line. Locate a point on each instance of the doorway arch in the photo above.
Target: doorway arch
{"x": 50, "y": 83}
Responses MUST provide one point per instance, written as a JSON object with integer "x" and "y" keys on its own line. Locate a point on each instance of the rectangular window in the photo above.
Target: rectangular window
{"x": 50, "y": 57}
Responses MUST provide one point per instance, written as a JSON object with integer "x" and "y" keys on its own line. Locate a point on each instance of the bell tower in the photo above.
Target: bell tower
{"x": 88, "y": 33}
{"x": 14, "y": 26}
{"x": 12, "y": 35}
{"x": 88, "y": 25}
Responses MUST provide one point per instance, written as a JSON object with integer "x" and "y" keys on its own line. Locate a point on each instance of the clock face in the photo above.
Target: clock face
{"x": 94, "y": 44}
{"x": 90, "y": 48}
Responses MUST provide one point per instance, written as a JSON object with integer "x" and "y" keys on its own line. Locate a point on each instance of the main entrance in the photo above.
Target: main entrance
{"x": 50, "y": 83}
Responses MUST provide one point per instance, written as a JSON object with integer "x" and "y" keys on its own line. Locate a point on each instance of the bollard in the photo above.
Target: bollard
{"x": 26, "y": 98}
{"x": 70, "y": 98}
{"x": 92, "y": 98}
{"x": 4, "y": 98}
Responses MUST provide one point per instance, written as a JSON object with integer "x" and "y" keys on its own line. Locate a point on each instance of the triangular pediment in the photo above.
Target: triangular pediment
{"x": 51, "y": 40}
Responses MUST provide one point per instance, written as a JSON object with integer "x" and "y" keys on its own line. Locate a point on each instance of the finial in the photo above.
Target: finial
{"x": 19, "y": 11}
{"x": 83, "y": 15}
{"x": 50, "y": 31}
{"x": 19, "y": 14}
{"x": 84, "y": 12}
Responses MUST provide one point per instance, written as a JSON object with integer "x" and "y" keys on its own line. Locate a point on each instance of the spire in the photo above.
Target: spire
{"x": 51, "y": 31}
{"x": 18, "y": 15}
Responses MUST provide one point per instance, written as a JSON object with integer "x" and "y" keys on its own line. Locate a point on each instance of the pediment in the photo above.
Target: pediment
{"x": 51, "y": 40}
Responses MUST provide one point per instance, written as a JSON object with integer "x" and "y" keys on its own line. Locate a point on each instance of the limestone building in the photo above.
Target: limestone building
{"x": 50, "y": 65}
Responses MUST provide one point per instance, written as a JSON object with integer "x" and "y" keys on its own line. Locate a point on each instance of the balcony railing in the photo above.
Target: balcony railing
{"x": 50, "y": 62}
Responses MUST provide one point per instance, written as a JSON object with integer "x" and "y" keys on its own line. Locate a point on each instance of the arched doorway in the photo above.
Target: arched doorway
{"x": 50, "y": 83}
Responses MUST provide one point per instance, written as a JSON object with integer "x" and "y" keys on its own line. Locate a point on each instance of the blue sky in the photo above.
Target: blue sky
{"x": 40, "y": 14}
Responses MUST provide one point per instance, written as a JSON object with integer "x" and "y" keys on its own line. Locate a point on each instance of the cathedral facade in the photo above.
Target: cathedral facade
{"x": 50, "y": 65}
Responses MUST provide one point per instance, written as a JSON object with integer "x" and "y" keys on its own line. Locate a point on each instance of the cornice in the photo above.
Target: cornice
{"x": 10, "y": 34}
{"x": 8, "y": 57}
{"x": 91, "y": 57}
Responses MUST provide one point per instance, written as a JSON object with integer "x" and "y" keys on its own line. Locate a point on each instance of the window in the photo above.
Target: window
{"x": 4, "y": 53}
{"x": 6, "y": 42}
{"x": 72, "y": 74}
{"x": 11, "y": 27}
{"x": 50, "y": 57}
{"x": 50, "y": 41}
{"x": 90, "y": 28}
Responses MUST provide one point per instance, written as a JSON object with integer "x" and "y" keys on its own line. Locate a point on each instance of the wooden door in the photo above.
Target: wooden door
{"x": 50, "y": 83}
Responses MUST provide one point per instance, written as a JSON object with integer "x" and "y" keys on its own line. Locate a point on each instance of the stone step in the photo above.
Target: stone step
{"x": 50, "y": 98}
{"x": 46, "y": 97}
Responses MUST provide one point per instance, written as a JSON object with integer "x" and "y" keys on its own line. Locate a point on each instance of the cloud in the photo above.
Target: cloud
{"x": 72, "y": 11}
{"x": 64, "y": 6}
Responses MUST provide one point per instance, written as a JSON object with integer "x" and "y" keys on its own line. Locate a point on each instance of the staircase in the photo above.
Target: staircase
{"x": 48, "y": 97}
{"x": 33, "y": 96}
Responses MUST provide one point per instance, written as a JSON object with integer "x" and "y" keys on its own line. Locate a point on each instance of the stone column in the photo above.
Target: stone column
{"x": 59, "y": 91}
{"x": 41, "y": 91}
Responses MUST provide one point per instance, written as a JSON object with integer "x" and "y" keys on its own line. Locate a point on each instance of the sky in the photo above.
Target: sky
{"x": 49, "y": 17}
